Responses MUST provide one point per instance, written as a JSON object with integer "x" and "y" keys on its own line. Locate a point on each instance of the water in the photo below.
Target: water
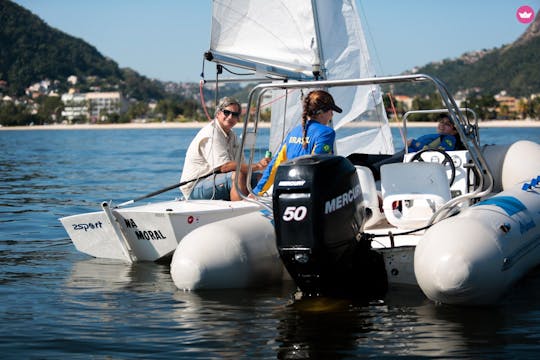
{"x": 58, "y": 303}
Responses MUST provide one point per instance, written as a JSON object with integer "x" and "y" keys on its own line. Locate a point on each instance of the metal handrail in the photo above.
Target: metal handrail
{"x": 466, "y": 131}
{"x": 468, "y": 125}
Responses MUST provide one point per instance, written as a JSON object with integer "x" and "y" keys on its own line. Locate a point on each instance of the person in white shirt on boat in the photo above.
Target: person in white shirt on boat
{"x": 214, "y": 150}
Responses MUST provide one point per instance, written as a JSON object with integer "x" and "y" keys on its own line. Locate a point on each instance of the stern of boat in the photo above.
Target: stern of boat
{"x": 148, "y": 232}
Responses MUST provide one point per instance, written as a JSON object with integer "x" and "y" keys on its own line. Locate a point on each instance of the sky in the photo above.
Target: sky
{"x": 166, "y": 39}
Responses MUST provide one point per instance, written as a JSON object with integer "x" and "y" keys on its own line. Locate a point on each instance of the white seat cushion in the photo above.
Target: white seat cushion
{"x": 412, "y": 192}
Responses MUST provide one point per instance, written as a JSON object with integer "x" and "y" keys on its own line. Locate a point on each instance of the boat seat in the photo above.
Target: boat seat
{"x": 370, "y": 195}
{"x": 412, "y": 192}
{"x": 463, "y": 179}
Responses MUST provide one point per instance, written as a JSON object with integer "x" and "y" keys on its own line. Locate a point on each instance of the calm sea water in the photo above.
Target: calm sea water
{"x": 57, "y": 303}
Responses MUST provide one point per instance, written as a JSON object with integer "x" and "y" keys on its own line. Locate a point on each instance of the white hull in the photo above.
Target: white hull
{"x": 239, "y": 252}
{"x": 147, "y": 232}
{"x": 476, "y": 256}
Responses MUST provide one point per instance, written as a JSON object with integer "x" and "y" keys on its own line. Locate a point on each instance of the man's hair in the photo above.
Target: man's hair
{"x": 227, "y": 101}
{"x": 443, "y": 116}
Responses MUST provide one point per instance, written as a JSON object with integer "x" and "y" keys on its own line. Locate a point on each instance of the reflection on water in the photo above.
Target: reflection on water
{"x": 111, "y": 299}
{"x": 322, "y": 328}
{"x": 404, "y": 324}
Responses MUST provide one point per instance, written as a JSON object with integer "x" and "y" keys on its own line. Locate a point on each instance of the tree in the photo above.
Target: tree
{"x": 137, "y": 110}
{"x": 534, "y": 108}
{"x": 431, "y": 101}
{"x": 170, "y": 108}
{"x": 523, "y": 108}
{"x": 50, "y": 109}
{"x": 12, "y": 114}
{"x": 483, "y": 105}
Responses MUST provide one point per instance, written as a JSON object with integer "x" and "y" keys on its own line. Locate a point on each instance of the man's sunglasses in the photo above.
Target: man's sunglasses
{"x": 229, "y": 112}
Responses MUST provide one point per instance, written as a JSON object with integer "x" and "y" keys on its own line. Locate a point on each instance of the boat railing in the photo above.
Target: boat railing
{"x": 467, "y": 131}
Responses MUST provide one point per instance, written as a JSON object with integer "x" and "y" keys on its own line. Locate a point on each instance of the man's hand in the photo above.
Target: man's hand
{"x": 228, "y": 167}
{"x": 263, "y": 163}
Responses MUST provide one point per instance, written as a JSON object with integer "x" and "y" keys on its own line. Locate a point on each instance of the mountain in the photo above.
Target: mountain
{"x": 514, "y": 68}
{"x": 31, "y": 50}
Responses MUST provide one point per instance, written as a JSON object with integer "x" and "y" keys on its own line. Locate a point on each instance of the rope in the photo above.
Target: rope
{"x": 235, "y": 73}
{"x": 397, "y": 118}
{"x": 201, "y": 93}
{"x": 287, "y": 92}
{"x": 203, "y": 102}
{"x": 372, "y": 236}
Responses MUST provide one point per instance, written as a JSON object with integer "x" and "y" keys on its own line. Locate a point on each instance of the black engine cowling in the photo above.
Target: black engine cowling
{"x": 318, "y": 216}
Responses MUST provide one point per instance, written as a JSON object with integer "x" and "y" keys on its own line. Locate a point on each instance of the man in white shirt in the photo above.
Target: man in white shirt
{"x": 214, "y": 147}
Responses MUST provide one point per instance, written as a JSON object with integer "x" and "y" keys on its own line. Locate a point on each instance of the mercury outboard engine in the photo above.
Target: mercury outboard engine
{"x": 319, "y": 216}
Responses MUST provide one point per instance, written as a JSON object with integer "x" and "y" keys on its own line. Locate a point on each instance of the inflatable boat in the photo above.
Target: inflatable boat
{"x": 471, "y": 256}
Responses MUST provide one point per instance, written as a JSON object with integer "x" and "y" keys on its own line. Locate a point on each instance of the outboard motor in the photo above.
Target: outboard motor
{"x": 319, "y": 216}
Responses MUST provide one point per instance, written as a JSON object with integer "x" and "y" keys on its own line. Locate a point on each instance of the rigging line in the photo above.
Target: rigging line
{"x": 278, "y": 98}
{"x": 380, "y": 112}
{"x": 202, "y": 70}
{"x": 397, "y": 119}
{"x": 201, "y": 92}
{"x": 219, "y": 70}
{"x": 203, "y": 102}
{"x": 372, "y": 41}
{"x": 235, "y": 73}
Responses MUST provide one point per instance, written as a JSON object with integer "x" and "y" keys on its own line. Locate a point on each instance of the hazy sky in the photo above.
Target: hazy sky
{"x": 166, "y": 39}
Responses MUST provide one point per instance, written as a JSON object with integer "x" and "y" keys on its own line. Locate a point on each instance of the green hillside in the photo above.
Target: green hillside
{"x": 31, "y": 50}
{"x": 514, "y": 68}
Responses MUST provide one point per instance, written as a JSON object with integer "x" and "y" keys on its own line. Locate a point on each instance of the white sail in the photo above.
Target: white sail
{"x": 270, "y": 36}
{"x": 292, "y": 39}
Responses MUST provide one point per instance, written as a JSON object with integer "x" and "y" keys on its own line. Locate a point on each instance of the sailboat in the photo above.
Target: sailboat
{"x": 461, "y": 225}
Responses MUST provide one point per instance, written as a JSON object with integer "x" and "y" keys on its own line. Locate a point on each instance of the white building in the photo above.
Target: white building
{"x": 94, "y": 106}
{"x": 74, "y": 106}
{"x": 72, "y": 79}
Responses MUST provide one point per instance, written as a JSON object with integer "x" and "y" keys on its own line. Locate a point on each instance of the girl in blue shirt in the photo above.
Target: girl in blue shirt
{"x": 312, "y": 136}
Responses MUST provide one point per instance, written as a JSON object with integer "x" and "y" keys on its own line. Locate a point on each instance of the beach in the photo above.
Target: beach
{"x": 194, "y": 124}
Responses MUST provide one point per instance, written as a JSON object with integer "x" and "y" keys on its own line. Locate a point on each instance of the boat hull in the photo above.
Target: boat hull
{"x": 147, "y": 232}
{"x": 239, "y": 252}
{"x": 476, "y": 256}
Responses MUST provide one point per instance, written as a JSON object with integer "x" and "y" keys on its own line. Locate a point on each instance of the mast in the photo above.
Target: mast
{"x": 318, "y": 68}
